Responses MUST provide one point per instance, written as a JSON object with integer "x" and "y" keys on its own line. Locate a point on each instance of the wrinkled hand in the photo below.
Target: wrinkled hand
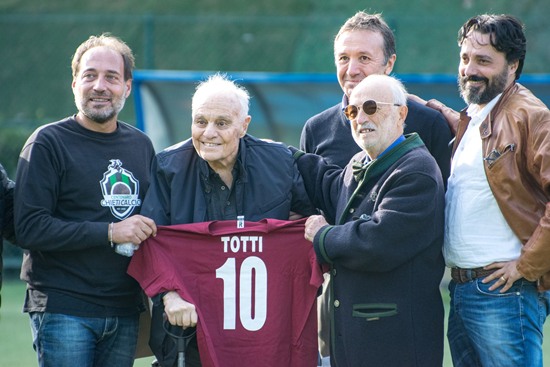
{"x": 135, "y": 229}
{"x": 506, "y": 272}
{"x": 313, "y": 225}
{"x": 179, "y": 312}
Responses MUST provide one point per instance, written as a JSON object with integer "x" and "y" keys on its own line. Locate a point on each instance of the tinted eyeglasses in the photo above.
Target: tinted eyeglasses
{"x": 369, "y": 107}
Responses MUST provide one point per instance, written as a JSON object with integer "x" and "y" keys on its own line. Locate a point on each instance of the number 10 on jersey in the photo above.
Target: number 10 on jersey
{"x": 252, "y": 286}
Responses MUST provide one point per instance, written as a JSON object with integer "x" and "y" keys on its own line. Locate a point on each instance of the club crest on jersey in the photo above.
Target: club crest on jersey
{"x": 120, "y": 190}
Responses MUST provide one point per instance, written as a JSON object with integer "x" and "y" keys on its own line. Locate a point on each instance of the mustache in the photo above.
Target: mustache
{"x": 474, "y": 78}
{"x": 365, "y": 126}
{"x": 100, "y": 94}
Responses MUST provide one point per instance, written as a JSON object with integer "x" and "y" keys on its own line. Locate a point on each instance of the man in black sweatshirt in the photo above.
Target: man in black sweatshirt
{"x": 81, "y": 181}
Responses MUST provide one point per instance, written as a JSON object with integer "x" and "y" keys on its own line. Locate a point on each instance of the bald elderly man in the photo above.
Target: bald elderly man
{"x": 385, "y": 249}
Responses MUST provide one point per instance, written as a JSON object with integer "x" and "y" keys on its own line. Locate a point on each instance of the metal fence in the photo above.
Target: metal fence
{"x": 35, "y": 76}
{"x": 36, "y": 48}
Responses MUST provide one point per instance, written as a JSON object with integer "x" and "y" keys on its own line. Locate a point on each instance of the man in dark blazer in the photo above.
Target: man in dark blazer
{"x": 384, "y": 250}
{"x": 365, "y": 45}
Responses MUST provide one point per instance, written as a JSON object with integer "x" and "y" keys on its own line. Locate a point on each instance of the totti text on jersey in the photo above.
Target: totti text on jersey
{"x": 242, "y": 243}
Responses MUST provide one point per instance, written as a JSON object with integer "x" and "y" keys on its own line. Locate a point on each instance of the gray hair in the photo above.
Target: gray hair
{"x": 220, "y": 83}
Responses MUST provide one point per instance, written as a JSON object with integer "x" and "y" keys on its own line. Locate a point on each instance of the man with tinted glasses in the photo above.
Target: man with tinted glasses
{"x": 384, "y": 250}
{"x": 365, "y": 45}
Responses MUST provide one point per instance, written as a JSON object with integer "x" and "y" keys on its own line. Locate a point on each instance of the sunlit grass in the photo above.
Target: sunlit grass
{"x": 16, "y": 342}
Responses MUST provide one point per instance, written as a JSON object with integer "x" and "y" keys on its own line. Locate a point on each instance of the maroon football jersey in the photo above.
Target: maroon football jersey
{"x": 254, "y": 288}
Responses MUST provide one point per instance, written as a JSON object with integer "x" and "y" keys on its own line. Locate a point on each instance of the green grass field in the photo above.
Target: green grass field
{"x": 15, "y": 335}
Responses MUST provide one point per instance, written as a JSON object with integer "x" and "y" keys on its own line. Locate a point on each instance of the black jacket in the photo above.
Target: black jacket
{"x": 269, "y": 186}
{"x": 7, "y": 228}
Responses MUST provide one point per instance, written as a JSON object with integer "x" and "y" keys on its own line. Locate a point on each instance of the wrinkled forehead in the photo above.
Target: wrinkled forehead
{"x": 219, "y": 102}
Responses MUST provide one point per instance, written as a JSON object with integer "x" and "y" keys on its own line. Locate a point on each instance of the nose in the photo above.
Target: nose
{"x": 467, "y": 69}
{"x": 361, "y": 118}
{"x": 99, "y": 84}
{"x": 210, "y": 130}
{"x": 353, "y": 67}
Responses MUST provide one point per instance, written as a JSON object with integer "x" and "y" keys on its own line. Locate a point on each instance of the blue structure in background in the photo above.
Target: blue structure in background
{"x": 280, "y": 103}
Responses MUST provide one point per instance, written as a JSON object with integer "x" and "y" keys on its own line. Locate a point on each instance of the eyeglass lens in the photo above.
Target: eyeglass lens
{"x": 369, "y": 107}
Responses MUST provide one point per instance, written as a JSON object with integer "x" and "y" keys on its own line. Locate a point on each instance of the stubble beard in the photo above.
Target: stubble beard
{"x": 99, "y": 115}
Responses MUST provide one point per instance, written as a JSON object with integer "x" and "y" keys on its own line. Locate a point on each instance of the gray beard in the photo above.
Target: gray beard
{"x": 103, "y": 115}
{"x": 100, "y": 118}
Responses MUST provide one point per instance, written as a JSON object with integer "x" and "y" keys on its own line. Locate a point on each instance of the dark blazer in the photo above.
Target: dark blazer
{"x": 385, "y": 256}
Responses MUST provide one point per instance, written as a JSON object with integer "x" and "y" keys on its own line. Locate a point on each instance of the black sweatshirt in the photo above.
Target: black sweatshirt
{"x": 71, "y": 183}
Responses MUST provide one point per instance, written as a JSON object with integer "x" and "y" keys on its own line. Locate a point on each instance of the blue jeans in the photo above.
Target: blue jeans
{"x": 67, "y": 341}
{"x": 487, "y": 328}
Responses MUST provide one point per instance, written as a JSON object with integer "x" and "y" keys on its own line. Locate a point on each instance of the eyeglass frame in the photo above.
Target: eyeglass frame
{"x": 372, "y": 104}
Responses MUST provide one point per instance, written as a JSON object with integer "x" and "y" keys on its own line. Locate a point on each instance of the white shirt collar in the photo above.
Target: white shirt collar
{"x": 478, "y": 114}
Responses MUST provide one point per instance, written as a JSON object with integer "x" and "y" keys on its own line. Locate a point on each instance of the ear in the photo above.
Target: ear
{"x": 390, "y": 64}
{"x": 128, "y": 87}
{"x": 403, "y": 111}
{"x": 246, "y": 122}
{"x": 512, "y": 68}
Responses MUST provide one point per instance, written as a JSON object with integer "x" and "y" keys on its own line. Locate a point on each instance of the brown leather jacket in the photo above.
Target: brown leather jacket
{"x": 516, "y": 151}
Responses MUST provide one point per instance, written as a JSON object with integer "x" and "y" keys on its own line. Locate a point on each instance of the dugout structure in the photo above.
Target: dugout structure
{"x": 280, "y": 103}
